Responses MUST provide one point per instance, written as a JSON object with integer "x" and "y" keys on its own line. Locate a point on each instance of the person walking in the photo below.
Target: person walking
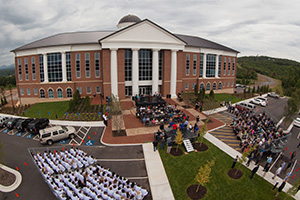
{"x": 267, "y": 167}
{"x": 277, "y": 172}
{"x": 155, "y": 143}
{"x": 251, "y": 158}
{"x": 254, "y": 170}
{"x": 277, "y": 182}
{"x": 289, "y": 164}
{"x": 234, "y": 162}
{"x": 269, "y": 160}
{"x": 293, "y": 155}
{"x": 280, "y": 188}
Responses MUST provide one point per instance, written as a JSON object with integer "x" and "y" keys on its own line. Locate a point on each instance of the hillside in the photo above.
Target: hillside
{"x": 7, "y": 70}
{"x": 288, "y": 71}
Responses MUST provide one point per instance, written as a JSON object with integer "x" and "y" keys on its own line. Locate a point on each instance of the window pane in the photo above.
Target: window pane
{"x": 54, "y": 67}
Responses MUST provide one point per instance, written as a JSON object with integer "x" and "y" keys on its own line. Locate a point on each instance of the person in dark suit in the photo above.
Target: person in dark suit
{"x": 234, "y": 162}
{"x": 254, "y": 170}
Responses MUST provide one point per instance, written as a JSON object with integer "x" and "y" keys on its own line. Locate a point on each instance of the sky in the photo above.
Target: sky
{"x": 252, "y": 27}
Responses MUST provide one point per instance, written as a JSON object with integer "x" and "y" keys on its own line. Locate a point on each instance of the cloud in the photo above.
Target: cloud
{"x": 264, "y": 27}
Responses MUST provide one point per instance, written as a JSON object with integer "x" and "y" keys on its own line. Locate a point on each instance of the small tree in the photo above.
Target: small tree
{"x": 211, "y": 95}
{"x": 87, "y": 103}
{"x": 203, "y": 131}
{"x": 241, "y": 160}
{"x": 178, "y": 139}
{"x": 9, "y": 86}
{"x": 196, "y": 90}
{"x": 258, "y": 89}
{"x": 203, "y": 176}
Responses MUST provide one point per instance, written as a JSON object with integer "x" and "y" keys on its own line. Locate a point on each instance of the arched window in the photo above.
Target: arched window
{"x": 208, "y": 86}
{"x": 50, "y": 92}
{"x": 220, "y": 86}
{"x": 69, "y": 92}
{"x": 201, "y": 86}
{"x": 214, "y": 86}
{"x": 59, "y": 93}
{"x": 42, "y": 93}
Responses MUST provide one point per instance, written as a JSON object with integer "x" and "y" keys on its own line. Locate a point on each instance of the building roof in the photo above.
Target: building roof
{"x": 194, "y": 41}
{"x": 129, "y": 18}
{"x": 94, "y": 37}
{"x": 66, "y": 39}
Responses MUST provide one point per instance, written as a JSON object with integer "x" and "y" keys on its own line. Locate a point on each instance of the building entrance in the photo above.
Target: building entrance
{"x": 147, "y": 89}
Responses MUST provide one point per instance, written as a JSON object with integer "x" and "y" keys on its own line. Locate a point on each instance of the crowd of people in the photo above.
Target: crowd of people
{"x": 254, "y": 129}
{"x": 155, "y": 115}
{"x": 72, "y": 174}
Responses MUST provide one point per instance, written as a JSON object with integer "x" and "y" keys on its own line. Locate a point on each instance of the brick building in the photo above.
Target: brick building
{"x": 139, "y": 57}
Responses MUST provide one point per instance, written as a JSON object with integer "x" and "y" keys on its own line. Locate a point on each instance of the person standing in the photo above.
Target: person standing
{"x": 104, "y": 119}
{"x": 169, "y": 143}
{"x": 251, "y": 158}
{"x": 280, "y": 188}
{"x": 269, "y": 160}
{"x": 234, "y": 162}
{"x": 266, "y": 169}
{"x": 254, "y": 170}
{"x": 197, "y": 119}
{"x": 277, "y": 172}
{"x": 162, "y": 143}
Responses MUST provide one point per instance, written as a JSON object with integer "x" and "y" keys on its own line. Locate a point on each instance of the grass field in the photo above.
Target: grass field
{"x": 181, "y": 172}
{"x": 55, "y": 108}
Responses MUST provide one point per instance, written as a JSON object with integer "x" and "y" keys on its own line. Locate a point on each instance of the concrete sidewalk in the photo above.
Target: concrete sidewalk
{"x": 158, "y": 180}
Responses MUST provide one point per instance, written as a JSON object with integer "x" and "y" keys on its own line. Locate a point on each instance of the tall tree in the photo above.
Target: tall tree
{"x": 9, "y": 86}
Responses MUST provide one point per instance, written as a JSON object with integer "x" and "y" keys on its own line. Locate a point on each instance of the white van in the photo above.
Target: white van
{"x": 247, "y": 105}
{"x": 56, "y": 133}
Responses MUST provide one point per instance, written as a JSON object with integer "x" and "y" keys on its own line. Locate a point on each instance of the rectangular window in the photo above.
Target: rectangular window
{"x": 20, "y": 69}
{"x": 145, "y": 64}
{"x": 77, "y": 65}
{"x": 187, "y": 68}
{"x": 79, "y": 90}
{"x": 28, "y": 91}
{"x": 160, "y": 64}
{"x": 35, "y": 91}
{"x": 194, "y": 64}
{"x": 54, "y": 67}
{"x": 210, "y": 65}
{"x": 229, "y": 63}
{"x": 232, "y": 84}
{"x": 128, "y": 65}
{"x": 41, "y": 64}
{"x": 68, "y": 66}
{"x": 26, "y": 68}
{"x": 88, "y": 89}
{"x": 87, "y": 65}
{"x": 224, "y": 66}
{"x": 227, "y": 83}
{"x": 33, "y": 67}
{"x": 98, "y": 90}
{"x": 233, "y": 65}
{"x": 97, "y": 65}
{"x": 219, "y": 66}
{"x": 187, "y": 86}
{"x": 193, "y": 86}
{"x": 128, "y": 90}
{"x": 201, "y": 65}
{"x": 22, "y": 91}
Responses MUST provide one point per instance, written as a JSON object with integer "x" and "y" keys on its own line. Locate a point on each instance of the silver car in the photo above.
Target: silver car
{"x": 56, "y": 133}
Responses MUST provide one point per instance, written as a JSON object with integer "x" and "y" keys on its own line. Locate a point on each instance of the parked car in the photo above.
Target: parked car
{"x": 239, "y": 85}
{"x": 11, "y": 122}
{"x": 56, "y": 133}
{"x": 297, "y": 122}
{"x": 37, "y": 124}
{"x": 258, "y": 102}
{"x": 246, "y": 105}
{"x": 273, "y": 94}
{"x": 263, "y": 99}
{"x": 2, "y": 121}
{"x": 6, "y": 121}
{"x": 22, "y": 124}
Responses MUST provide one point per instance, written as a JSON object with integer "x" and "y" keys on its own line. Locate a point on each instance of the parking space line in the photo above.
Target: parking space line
{"x": 25, "y": 134}
{"x": 37, "y": 138}
{"x": 120, "y": 160}
{"x": 136, "y": 178}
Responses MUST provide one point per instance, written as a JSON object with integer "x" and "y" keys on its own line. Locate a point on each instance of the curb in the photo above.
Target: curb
{"x": 17, "y": 182}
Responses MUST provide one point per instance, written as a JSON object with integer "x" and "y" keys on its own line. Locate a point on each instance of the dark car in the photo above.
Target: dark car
{"x": 22, "y": 124}
{"x": 2, "y": 121}
{"x": 11, "y": 122}
{"x": 37, "y": 124}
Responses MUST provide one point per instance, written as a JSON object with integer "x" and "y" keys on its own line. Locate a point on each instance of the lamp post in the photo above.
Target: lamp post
{"x": 101, "y": 97}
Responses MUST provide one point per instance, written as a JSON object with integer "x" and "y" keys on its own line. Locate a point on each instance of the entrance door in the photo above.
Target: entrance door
{"x": 145, "y": 90}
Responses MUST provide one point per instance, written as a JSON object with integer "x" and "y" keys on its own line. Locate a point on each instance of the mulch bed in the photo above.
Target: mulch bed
{"x": 175, "y": 152}
{"x": 197, "y": 146}
{"x": 6, "y": 178}
{"x": 121, "y": 133}
{"x": 191, "y": 192}
{"x": 235, "y": 173}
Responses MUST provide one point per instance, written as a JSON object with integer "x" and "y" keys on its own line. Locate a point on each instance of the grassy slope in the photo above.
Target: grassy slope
{"x": 58, "y": 108}
{"x": 182, "y": 170}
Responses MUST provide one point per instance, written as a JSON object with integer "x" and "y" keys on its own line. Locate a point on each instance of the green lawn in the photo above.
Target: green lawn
{"x": 59, "y": 108}
{"x": 221, "y": 97}
{"x": 182, "y": 170}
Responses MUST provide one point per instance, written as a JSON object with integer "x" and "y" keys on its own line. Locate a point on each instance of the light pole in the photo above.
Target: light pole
{"x": 101, "y": 97}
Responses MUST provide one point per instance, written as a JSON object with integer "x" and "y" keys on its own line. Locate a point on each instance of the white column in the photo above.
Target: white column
{"x": 64, "y": 66}
{"x": 135, "y": 71}
{"x": 173, "y": 73}
{"x": 155, "y": 71}
{"x": 45, "y": 68}
{"x": 217, "y": 66}
{"x": 204, "y": 65}
{"x": 114, "y": 72}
